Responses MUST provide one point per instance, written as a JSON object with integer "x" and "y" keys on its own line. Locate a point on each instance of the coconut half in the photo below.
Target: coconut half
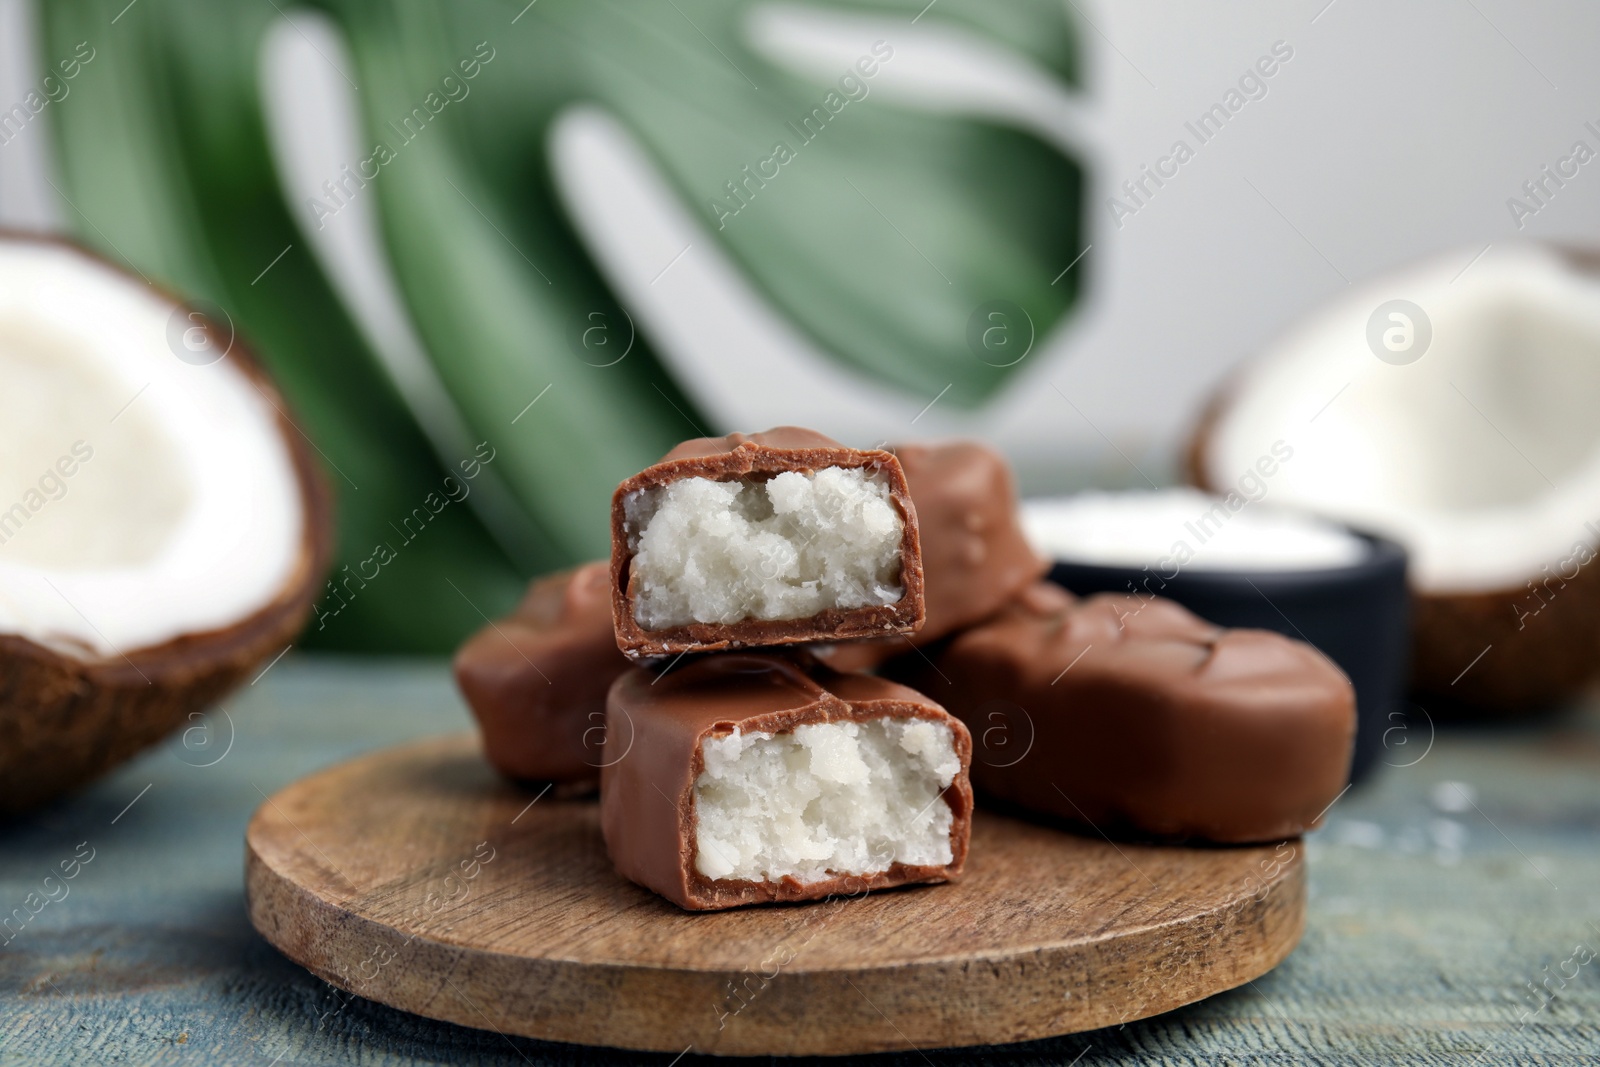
{"x": 163, "y": 528}
{"x": 1469, "y": 434}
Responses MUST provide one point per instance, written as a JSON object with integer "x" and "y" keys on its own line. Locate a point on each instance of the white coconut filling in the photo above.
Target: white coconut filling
{"x": 1166, "y": 527}
{"x": 838, "y": 798}
{"x": 141, "y": 497}
{"x": 786, "y": 547}
{"x": 1482, "y": 456}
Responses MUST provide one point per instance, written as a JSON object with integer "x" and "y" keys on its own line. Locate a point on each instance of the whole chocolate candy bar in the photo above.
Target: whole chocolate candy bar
{"x": 749, "y": 778}
{"x": 975, "y": 557}
{"x": 767, "y": 539}
{"x": 1129, "y": 715}
{"x": 537, "y": 680}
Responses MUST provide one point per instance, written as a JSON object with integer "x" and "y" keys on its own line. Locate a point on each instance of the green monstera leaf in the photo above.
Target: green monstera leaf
{"x": 878, "y": 237}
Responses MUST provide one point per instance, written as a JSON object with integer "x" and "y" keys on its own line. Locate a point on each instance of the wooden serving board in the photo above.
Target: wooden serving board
{"x": 415, "y": 877}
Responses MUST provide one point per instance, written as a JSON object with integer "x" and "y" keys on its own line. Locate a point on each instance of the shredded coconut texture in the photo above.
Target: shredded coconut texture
{"x": 786, "y": 547}
{"x": 827, "y": 799}
{"x": 1137, "y": 528}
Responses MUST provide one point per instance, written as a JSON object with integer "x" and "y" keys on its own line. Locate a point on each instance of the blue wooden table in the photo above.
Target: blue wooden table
{"x": 1454, "y": 915}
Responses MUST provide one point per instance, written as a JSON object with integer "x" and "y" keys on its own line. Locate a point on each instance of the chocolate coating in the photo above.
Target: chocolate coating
{"x": 737, "y": 456}
{"x": 654, "y": 727}
{"x": 975, "y": 557}
{"x": 1132, "y": 716}
{"x": 537, "y": 680}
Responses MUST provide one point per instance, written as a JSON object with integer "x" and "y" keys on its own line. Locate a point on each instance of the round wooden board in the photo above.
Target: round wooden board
{"x": 415, "y": 877}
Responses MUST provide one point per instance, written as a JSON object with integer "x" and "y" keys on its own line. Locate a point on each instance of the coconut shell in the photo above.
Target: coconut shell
{"x": 1508, "y": 651}
{"x": 65, "y": 721}
{"x": 1530, "y": 658}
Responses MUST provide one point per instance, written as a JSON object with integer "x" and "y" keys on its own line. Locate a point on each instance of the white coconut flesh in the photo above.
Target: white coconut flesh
{"x": 142, "y": 497}
{"x": 837, "y": 798}
{"x": 1186, "y": 529}
{"x": 1482, "y": 456}
{"x": 785, "y": 547}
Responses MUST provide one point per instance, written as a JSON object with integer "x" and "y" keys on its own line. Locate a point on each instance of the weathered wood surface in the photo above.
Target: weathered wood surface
{"x": 414, "y": 877}
{"x": 1433, "y": 916}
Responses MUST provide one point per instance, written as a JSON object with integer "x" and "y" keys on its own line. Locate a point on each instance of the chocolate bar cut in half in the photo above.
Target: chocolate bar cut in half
{"x": 768, "y": 539}
{"x": 751, "y": 777}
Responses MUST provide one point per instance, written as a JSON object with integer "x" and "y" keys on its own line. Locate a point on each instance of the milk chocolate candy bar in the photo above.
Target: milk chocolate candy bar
{"x": 767, "y": 539}
{"x": 975, "y": 557}
{"x": 537, "y": 680}
{"x": 749, "y": 778}
{"x": 1129, "y": 716}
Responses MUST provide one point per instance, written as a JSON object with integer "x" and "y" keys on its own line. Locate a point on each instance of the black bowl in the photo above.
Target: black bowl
{"x": 1357, "y": 615}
